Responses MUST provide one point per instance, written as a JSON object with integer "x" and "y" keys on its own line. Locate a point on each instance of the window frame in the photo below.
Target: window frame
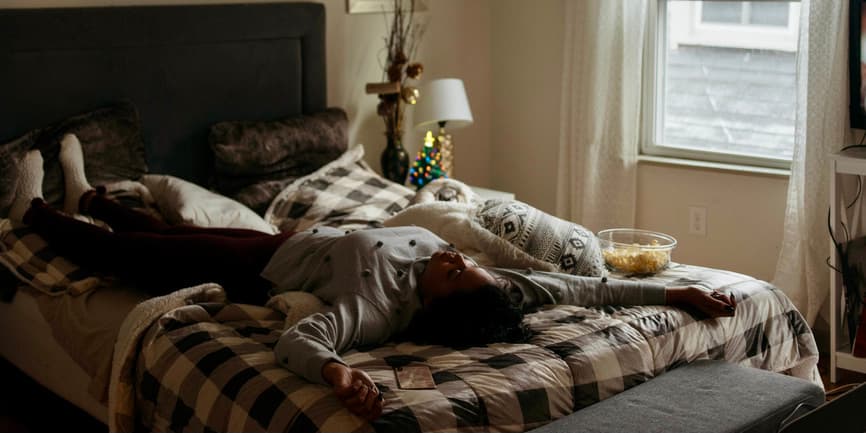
{"x": 653, "y": 104}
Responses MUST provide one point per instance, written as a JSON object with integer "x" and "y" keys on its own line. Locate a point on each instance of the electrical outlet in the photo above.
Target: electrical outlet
{"x": 697, "y": 220}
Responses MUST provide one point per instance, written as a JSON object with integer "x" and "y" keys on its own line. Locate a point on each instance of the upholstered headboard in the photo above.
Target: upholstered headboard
{"x": 184, "y": 67}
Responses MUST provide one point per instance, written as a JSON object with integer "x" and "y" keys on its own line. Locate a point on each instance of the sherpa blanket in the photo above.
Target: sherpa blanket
{"x": 190, "y": 305}
{"x": 121, "y": 391}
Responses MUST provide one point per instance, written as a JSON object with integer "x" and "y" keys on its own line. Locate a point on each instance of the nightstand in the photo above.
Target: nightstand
{"x": 489, "y": 194}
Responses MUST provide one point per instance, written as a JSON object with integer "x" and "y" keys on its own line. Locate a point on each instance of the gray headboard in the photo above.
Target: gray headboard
{"x": 184, "y": 67}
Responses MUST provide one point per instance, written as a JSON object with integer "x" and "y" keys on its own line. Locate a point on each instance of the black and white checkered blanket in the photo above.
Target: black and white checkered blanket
{"x": 212, "y": 368}
{"x": 29, "y": 258}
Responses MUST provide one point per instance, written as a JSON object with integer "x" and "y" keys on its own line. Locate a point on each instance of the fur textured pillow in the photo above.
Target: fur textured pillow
{"x": 456, "y": 223}
{"x": 110, "y": 138}
{"x": 445, "y": 189}
{"x": 344, "y": 193}
{"x": 508, "y": 234}
{"x": 254, "y": 160}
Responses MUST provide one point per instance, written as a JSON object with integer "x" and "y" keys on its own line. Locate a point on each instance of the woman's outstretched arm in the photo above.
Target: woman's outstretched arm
{"x": 351, "y": 322}
{"x": 539, "y": 288}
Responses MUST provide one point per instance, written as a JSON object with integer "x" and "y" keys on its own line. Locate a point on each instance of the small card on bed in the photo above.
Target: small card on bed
{"x": 414, "y": 377}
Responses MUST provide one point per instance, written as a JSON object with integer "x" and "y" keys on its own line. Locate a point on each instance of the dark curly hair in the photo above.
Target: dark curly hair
{"x": 469, "y": 318}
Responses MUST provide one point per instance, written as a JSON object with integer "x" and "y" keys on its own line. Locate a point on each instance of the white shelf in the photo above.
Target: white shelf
{"x": 850, "y": 162}
{"x": 847, "y": 361}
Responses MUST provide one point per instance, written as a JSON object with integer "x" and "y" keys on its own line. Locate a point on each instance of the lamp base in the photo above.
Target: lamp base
{"x": 446, "y": 148}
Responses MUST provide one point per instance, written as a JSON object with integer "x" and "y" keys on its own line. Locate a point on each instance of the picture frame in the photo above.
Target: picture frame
{"x": 378, "y": 6}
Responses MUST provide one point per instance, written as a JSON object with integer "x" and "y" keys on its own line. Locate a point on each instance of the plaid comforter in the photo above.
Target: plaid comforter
{"x": 210, "y": 367}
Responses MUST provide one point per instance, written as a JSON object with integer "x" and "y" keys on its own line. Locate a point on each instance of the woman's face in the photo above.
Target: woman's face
{"x": 449, "y": 271}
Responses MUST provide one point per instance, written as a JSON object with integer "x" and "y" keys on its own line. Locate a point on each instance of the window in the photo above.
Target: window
{"x": 724, "y": 75}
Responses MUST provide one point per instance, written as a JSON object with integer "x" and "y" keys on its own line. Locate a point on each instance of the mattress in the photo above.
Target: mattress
{"x": 29, "y": 344}
{"x": 66, "y": 342}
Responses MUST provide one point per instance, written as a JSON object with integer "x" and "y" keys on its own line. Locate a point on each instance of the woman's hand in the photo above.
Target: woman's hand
{"x": 713, "y": 304}
{"x": 355, "y": 389}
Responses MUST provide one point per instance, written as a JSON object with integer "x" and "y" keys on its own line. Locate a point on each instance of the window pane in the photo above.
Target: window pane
{"x": 727, "y": 99}
{"x": 722, "y": 12}
{"x": 769, "y": 14}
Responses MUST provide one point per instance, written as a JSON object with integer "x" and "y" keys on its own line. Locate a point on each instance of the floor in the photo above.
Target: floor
{"x": 844, "y": 379}
{"x": 27, "y": 407}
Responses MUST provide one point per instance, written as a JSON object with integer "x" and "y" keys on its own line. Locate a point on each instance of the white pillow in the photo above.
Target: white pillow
{"x": 295, "y": 305}
{"x": 183, "y": 202}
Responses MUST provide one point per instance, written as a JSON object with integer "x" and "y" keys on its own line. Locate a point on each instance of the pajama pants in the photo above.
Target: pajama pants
{"x": 160, "y": 257}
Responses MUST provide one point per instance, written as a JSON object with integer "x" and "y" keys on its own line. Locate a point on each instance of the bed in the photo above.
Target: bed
{"x": 191, "y": 361}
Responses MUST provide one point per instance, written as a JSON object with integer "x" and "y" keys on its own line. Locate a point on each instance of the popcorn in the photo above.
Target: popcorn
{"x": 634, "y": 259}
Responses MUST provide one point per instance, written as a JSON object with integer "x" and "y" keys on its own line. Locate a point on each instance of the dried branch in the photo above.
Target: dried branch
{"x": 401, "y": 43}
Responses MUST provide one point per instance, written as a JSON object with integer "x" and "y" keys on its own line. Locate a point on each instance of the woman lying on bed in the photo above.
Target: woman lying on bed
{"x": 380, "y": 283}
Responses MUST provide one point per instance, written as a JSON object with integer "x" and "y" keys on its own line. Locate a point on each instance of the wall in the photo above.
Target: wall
{"x": 509, "y": 54}
{"x": 745, "y": 212}
{"x": 745, "y": 215}
{"x": 527, "y": 64}
{"x": 456, "y": 44}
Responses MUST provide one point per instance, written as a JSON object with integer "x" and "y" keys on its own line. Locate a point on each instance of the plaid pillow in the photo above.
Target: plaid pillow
{"x": 344, "y": 193}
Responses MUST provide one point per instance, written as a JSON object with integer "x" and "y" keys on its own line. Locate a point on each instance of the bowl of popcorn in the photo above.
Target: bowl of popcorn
{"x": 634, "y": 251}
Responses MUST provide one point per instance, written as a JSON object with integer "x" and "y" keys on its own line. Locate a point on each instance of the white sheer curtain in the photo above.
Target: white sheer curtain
{"x": 600, "y": 121}
{"x": 822, "y": 128}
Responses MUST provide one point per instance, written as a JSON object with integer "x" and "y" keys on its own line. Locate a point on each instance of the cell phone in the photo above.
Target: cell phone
{"x": 414, "y": 377}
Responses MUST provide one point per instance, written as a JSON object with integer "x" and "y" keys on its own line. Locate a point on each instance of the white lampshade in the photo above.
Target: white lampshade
{"x": 443, "y": 100}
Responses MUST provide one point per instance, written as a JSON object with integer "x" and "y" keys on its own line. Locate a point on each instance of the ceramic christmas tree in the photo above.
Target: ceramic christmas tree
{"x": 427, "y": 165}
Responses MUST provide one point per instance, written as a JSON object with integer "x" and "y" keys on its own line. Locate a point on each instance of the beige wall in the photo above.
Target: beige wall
{"x": 745, "y": 215}
{"x": 509, "y": 54}
{"x": 745, "y": 212}
{"x": 527, "y": 63}
{"x": 456, "y": 44}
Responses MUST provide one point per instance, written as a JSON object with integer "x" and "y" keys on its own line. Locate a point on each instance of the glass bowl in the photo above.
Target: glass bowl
{"x": 634, "y": 251}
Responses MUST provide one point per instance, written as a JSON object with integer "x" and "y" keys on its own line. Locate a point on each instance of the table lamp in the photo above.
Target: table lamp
{"x": 442, "y": 102}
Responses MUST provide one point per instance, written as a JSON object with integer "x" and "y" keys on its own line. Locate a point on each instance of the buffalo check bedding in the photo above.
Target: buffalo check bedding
{"x": 195, "y": 363}
{"x": 212, "y": 367}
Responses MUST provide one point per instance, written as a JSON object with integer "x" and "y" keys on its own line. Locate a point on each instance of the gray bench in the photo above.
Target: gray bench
{"x": 705, "y": 396}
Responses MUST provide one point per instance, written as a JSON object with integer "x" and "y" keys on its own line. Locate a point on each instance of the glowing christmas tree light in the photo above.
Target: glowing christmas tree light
{"x": 427, "y": 165}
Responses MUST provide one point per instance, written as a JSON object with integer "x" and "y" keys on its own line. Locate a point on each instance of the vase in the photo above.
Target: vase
{"x": 395, "y": 161}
